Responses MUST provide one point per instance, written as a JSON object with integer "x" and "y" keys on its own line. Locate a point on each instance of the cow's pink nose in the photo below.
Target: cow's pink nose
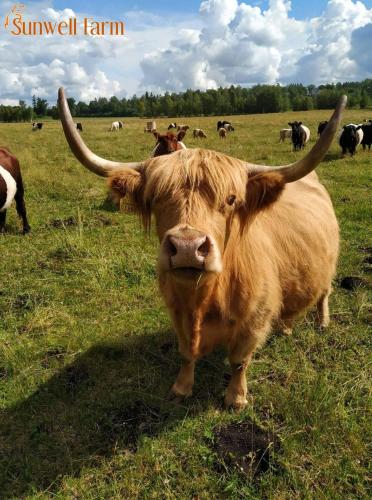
{"x": 188, "y": 252}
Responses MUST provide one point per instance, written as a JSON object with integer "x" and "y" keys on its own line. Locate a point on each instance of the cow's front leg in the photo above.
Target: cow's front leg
{"x": 2, "y": 221}
{"x": 185, "y": 380}
{"x": 240, "y": 355}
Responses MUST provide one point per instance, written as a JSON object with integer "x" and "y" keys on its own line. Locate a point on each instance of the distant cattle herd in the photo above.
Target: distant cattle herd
{"x": 350, "y": 137}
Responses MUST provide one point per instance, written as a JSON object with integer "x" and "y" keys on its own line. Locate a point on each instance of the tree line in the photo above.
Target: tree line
{"x": 222, "y": 101}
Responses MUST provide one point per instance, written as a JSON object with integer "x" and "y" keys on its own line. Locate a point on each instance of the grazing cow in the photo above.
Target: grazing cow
{"x": 285, "y": 133}
{"x": 172, "y": 125}
{"x": 351, "y": 136}
{"x": 36, "y": 126}
{"x": 322, "y": 126}
{"x": 300, "y": 135}
{"x": 222, "y": 132}
{"x": 182, "y": 127}
{"x": 199, "y": 133}
{"x": 115, "y": 126}
{"x": 11, "y": 188}
{"x": 79, "y": 126}
{"x": 367, "y": 135}
{"x": 229, "y": 127}
{"x": 168, "y": 143}
{"x": 242, "y": 246}
{"x": 222, "y": 124}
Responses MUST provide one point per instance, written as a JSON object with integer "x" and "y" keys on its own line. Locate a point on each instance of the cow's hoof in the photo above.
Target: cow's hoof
{"x": 237, "y": 403}
{"x": 177, "y": 393}
{"x": 286, "y": 330}
{"x": 26, "y": 230}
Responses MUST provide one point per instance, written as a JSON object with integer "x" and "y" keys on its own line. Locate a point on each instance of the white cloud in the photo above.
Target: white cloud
{"x": 88, "y": 67}
{"x": 228, "y": 42}
{"x": 242, "y": 44}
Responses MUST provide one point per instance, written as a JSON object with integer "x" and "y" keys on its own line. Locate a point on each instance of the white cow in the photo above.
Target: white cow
{"x": 114, "y": 127}
{"x": 285, "y": 133}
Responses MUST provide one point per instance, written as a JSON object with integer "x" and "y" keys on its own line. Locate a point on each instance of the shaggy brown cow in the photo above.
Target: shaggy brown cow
{"x": 11, "y": 187}
{"x": 168, "y": 143}
{"x": 242, "y": 246}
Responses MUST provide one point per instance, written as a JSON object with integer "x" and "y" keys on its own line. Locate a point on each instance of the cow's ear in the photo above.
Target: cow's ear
{"x": 262, "y": 191}
{"x": 290, "y": 124}
{"x": 126, "y": 183}
{"x": 181, "y": 134}
{"x": 299, "y": 123}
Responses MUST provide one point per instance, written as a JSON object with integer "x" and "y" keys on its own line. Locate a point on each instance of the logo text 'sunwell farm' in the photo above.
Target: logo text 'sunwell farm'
{"x": 17, "y": 25}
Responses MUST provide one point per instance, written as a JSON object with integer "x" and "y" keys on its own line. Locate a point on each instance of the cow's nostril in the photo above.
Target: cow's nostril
{"x": 172, "y": 248}
{"x": 204, "y": 248}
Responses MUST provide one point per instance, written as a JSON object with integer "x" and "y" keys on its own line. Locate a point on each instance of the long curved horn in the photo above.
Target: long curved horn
{"x": 300, "y": 168}
{"x": 91, "y": 161}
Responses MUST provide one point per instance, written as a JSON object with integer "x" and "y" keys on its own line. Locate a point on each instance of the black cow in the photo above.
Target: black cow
{"x": 322, "y": 126}
{"x": 37, "y": 126}
{"x": 350, "y": 137}
{"x": 79, "y": 126}
{"x": 300, "y": 135}
{"x": 367, "y": 135}
{"x": 222, "y": 124}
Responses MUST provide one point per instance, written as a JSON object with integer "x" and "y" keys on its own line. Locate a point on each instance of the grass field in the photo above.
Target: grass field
{"x": 87, "y": 352}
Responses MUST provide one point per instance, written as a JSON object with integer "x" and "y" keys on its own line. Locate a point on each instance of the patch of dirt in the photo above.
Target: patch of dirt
{"x": 51, "y": 354}
{"x": 353, "y": 282}
{"x": 61, "y": 223}
{"x": 129, "y": 422}
{"x": 245, "y": 446}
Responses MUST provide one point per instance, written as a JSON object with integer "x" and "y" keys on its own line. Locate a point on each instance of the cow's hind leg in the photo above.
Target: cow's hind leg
{"x": 323, "y": 310}
{"x": 240, "y": 355}
{"x": 21, "y": 210}
{"x": 2, "y": 221}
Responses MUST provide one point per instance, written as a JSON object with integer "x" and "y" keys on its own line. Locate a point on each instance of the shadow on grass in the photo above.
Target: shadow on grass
{"x": 100, "y": 404}
{"x": 329, "y": 157}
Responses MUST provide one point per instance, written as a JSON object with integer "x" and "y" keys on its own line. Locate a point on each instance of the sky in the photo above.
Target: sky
{"x": 172, "y": 46}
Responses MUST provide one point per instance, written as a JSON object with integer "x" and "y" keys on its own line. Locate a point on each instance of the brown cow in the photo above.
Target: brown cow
{"x": 11, "y": 188}
{"x": 222, "y": 132}
{"x": 242, "y": 246}
{"x": 199, "y": 133}
{"x": 168, "y": 143}
{"x": 182, "y": 127}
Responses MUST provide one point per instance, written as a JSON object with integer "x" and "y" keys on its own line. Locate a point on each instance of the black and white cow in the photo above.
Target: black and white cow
{"x": 351, "y": 136}
{"x": 172, "y": 125}
{"x": 367, "y": 135}
{"x": 300, "y": 135}
{"x": 222, "y": 124}
{"x": 11, "y": 188}
{"x": 36, "y": 126}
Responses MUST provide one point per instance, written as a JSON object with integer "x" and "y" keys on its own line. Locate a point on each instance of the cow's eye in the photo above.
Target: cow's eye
{"x": 231, "y": 199}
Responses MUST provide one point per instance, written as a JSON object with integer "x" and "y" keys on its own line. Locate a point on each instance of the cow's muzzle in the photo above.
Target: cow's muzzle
{"x": 189, "y": 250}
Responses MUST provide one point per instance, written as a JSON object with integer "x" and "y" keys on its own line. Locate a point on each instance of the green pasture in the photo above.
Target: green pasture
{"x": 87, "y": 351}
